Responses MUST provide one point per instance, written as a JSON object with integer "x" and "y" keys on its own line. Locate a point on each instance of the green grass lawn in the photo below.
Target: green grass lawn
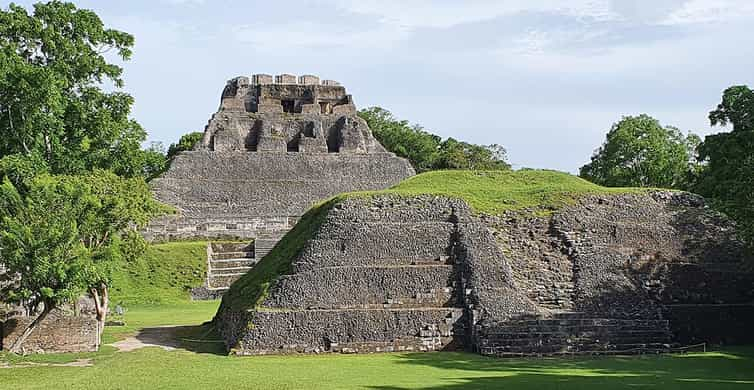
{"x": 164, "y": 274}
{"x": 200, "y": 367}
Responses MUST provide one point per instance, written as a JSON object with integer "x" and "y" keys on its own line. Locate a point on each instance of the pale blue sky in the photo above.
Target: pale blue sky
{"x": 544, "y": 78}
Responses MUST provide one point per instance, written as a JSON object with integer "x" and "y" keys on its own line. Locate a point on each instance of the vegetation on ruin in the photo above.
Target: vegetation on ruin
{"x": 640, "y": 152}
{"x": 427, "y": 151}
{"x": 495, "y": 192}
{"x": 537, "y": 192}
{"x": 187, "y": 142}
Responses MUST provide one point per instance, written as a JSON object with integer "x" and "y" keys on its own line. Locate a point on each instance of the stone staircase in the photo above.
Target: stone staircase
{"x": 226, "y": 262}
{"x": 573, "y": 333}
{"x": 263, "y": 246}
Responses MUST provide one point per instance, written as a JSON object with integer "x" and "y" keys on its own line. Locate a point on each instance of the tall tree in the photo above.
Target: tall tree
{"x": 61, "y": 235}
{"x": 727, "y": 174}
{"x": 639, "y": 152}
{"x": 52, "y": 66}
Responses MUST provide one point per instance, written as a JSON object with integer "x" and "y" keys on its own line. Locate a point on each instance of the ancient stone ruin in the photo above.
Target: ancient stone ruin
{"x": 70, "y": 328}
{"x": 274, "y": 148}
{"x": 612, "y": 274}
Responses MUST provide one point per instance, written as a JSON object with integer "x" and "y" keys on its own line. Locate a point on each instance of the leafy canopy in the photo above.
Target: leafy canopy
{"x": 427, "y": 151}
{"x": 727, "y": 174}
{"x": 52, "y": 67}
{"x": 186, "y": 142}
{"x": 61, "y": 234}
{"x": 639, "y": 152}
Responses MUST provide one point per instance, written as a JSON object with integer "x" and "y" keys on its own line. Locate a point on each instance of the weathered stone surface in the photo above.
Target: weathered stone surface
{"x": 611, "y": 274}
{"x": 271, "y": 152}
{"x": 59, "y": 332}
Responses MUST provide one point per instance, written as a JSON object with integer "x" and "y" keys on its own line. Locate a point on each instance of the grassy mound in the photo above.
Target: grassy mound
{"x": 164, "y": 274}
{"x": 492, "y": 192}
{"x": 495, "y": 192}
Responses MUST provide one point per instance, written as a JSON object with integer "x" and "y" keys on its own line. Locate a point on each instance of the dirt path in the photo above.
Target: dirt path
{"x": 76, "y": 363}
{"x": 163, "y": 337}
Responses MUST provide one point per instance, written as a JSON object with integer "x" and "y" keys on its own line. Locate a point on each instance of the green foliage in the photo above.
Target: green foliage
{"x": 427, "y": 151}
{"x": 639, "y": 152}
{"x": 63, "y": 234}
{"x": 727, "y": 175}
{"x": 162, "y": 273}
{"x": 187, "y": 142}
{"x": 52, "y": 64}
{"x": 461, "y": 155}
{"x": 19, "y": 168}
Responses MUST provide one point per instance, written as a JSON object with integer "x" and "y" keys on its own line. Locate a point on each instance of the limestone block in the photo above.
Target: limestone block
{"x": 330, "y": 83}
{"x": 285, "y": 79}
{"x": 308, "y": 79}
{"x": 262, "y": 79}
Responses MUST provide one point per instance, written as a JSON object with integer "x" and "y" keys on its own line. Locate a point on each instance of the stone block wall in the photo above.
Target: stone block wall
{"x": 610, "y": 274}
{"x": 258, "y": 168}
{"x": 389, "y": 269}
{"x": 57, "y": 333}
{"x": 260, "y": 194}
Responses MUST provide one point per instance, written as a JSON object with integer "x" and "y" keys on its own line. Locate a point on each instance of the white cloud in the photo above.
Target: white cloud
{"x": 185, "y": 2}
{"x": 710, "y": 11}
{"x": 311, "y": 35}
{"x": 443, "y": 14}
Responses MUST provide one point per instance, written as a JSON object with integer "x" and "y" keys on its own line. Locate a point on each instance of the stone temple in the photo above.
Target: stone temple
{"x": 275, "y": 147}
{"x": 611, "y": 274}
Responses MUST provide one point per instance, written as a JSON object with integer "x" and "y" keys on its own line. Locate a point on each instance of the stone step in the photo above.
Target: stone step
{"x": 535, "y": 333}
{"x": 573, "y": 339}
{"x": 231, "y": 247}
{"x": 563, "y": 348}
{"x": 616, "y": 350}
{"x": 232, "y": 263}
{"x": 232, "y": 255}
{"x": 581, "y": 322}
{"x": 229, "y": 271}
{"x": 222, "y": 281}
{"x": 556, "y": 328}
{"x": 378, "y": 262}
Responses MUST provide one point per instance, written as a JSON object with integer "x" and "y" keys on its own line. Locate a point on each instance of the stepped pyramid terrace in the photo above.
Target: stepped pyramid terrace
{"x": 504, "y": 264}
{"x": 275, "y": 147}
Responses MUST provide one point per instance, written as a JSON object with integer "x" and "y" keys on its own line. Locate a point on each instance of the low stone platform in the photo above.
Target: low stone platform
{"x": 573, "y": 333}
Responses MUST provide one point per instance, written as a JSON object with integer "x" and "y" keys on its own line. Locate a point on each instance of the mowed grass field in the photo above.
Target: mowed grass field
{"x": 201, "y": 365}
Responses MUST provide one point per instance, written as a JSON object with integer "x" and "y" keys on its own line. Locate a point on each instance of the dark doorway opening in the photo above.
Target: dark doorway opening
{"x": 288, "y": 105}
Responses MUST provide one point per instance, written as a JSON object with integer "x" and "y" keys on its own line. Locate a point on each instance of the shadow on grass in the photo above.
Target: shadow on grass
{"x": 201, "y": 339}
{"x": 713, "y": 370}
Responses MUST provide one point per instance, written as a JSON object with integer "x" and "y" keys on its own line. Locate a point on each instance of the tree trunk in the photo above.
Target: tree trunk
{"x": 101, "y": 302}
{"x": 16, "y": 346}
